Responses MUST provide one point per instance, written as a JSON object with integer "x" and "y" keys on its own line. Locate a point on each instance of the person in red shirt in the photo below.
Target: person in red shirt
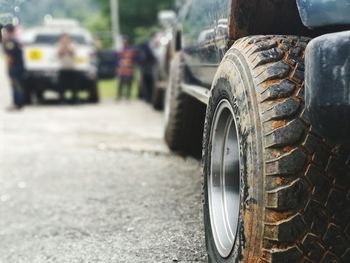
{"x": 126, "y": 70}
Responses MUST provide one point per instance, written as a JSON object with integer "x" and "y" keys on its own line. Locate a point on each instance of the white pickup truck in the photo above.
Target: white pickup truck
{"x": 42, "y": 62}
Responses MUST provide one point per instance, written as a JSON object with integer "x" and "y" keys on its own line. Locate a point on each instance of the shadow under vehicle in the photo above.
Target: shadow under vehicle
{"x": 272, "y": 98}
{"x": 43, "y": 65}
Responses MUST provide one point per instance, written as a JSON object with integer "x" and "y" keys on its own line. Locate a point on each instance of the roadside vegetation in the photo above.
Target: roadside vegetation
{"x": 136, "y": 23}
{"x": 108, "y": 89}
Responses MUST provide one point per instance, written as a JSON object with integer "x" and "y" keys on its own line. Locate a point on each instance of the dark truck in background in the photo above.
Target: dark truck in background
{"x": 267, "y": 83}
{"x": 106, "y": 64}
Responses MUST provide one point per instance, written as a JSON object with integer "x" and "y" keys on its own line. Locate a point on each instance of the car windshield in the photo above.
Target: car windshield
{"x": 50, "y": 39}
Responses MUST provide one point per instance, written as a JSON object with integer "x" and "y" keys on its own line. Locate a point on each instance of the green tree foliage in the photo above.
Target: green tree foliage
{"x": 9, "y": 9}
{"x": 33, "y": 11}
{"x": 137, "y": 17}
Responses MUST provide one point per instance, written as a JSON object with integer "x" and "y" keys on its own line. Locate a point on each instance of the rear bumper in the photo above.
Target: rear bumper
{"x": 327, "y": 85}
{"x": 43, "y": 73}
{"x": 49, "y": 80}
{"x": 316, "y": 13}
{"x": 52, "y": 75}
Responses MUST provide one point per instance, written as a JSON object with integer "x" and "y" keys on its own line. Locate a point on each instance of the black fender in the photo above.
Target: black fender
{"x": 327, "y": 85}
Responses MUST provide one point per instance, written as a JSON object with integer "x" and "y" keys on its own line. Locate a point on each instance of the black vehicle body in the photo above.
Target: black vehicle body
{"x": 160, "y": 45}
{"x": 207, "y": 28}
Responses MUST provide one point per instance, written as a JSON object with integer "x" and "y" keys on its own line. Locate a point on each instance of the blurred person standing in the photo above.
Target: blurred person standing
{"x": 68, "y": 78}
{"x": 147, "y": 61}
{"x": 15, "y": 66}
{"x": 126, "y": 70}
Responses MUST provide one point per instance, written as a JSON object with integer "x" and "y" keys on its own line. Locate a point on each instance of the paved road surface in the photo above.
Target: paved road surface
{"x": 95, "y": 184}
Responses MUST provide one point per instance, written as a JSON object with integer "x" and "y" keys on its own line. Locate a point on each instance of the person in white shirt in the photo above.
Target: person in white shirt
{"x": 68, "y": 78}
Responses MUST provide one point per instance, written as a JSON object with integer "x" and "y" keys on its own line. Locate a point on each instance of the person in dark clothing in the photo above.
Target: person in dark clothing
{"x": 68, "y": 78}
{"x": 15, "y": 66}
{"x": 126, "y": 70}
{"x": 146, "y": 61}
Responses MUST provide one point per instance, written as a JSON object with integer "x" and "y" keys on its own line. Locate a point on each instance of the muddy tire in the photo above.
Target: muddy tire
{"x": 274, "y": 190}
{"x": 184, "y": 115}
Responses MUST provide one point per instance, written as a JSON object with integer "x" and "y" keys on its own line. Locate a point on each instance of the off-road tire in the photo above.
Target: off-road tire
{"x": 295, "y": 186}
{"x": 184, "y": 115}
{"x": 93, "y": 92}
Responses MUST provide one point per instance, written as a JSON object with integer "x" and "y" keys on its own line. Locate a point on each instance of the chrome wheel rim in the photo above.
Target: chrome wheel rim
{"x": 224, "y": 179}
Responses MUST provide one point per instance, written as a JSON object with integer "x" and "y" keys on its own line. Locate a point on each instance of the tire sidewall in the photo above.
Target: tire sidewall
{"x": 233, "y": 82}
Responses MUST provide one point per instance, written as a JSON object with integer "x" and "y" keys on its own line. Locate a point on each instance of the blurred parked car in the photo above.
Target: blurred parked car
{"x": 106, "y": 64}
{"x": 161, "y": 46}
{"x": 42, "y": 62}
